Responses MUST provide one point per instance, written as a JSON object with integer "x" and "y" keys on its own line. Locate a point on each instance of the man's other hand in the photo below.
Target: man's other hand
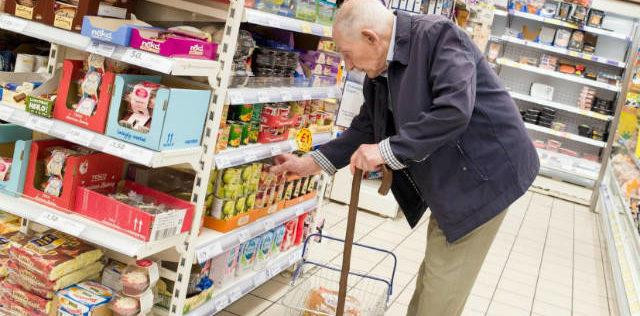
{"x": 301, "y": 166}
{"x": 367, "y": 158}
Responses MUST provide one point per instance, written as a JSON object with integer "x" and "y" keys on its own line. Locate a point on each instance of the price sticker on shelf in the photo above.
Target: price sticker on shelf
{"x": 39, "y": 124}
{"x": 268, "y": 224}
{"x": 299, "y": 210}
{"x": 243, "y": 236}
{"x": 221, "y": 302}
{"x": 306, "y": 95}
{"x": 260, "y": 278}
{"x": 148, "y": 60}
{"x": 273, "y": 270}
{"x": 304, "y": 139}
{"x": 79, "y": 136}
{"x": 102, "y": 49}
{"x": 235, "y": 97}
{"x": 222, "y": 162}
{"x": 250, "y": 156}
{"x": 13, "y": 24}
{"x": 128, "y": 152}
{"x": 305, "y": 27}
{"x": 6, "y": 112}
{"x": 264, "y": 97}
{"x": 276, "y": 150}
{"x": 286, "y": 95}
{"x": 60, "y": 223}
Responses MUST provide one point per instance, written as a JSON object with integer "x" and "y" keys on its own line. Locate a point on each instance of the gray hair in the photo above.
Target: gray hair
{"x": 356, "y": 15}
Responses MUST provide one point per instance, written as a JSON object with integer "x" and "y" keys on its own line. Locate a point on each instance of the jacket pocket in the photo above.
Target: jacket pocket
{"x": 467, "y": 163}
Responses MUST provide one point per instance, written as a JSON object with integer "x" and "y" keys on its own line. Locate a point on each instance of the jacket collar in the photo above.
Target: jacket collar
{"x": 402, "y": 38}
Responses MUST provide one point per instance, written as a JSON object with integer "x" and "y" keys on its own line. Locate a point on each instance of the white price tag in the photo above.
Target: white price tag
{"x": 260, "y": 278}
{"x": 268, "y": 224}
{"x": 39, "y": 124}
{"x": 306, "y": 95}
{"x": 102, "y": 49}
{"x": 148, "y": 60}
{"x": 243, "y": 236}
{"x": 14, "y": 24}
{"x": 276, "y": 150}
{"x": 128, "y": 152}
{"x": 295, "y": 256}
{"x": 214, "y": 250}
{"x": 264, "y": 97}
{"x": 299, "y": 210}
{"x": 61, "y": 223}
{"x": 236, "y": 97}
{"x": 5, "y": 112}
{"x": 222, "y": 162}
{"x": 221, "y": 302}
{"x": 286, "y": 95}
{"x": 79, "y": 136}
{"x": 250, "y": 156}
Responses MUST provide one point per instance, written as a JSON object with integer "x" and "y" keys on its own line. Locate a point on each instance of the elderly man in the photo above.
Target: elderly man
{"x": 436, "y": 114}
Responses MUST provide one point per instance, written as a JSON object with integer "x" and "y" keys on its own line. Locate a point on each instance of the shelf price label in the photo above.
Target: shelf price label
{"x": 128, "y": 152}
{"x": 276, "y": 150}
{"x": 221, "y": 302}
{"x": 78, "y": 136}
{"x": 61, "y": 223}
{"x": 250, "y": 156}
{"x": 6, "y": 112}
{"x": 235, "y": 97}
{"x": 222, "y": 162}
{"x": 209, "y": 252}
{"x": 102, "y": 49}
{"x": 39, "y": 124}
{"x": 147, "y": 60}
{"x": 13, "y": 24}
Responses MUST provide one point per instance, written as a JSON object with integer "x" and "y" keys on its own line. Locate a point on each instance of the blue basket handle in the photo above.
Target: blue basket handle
{"x": 388, "y": 282}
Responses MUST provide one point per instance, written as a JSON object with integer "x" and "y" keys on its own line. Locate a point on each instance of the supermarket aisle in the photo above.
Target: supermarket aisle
{"x": 546, "y": 260}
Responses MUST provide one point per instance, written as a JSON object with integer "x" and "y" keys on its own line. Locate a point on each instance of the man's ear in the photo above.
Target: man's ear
{"x": 370, "y": 36}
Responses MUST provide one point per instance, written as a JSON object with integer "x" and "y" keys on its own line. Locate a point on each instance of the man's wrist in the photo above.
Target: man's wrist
{"x": 387, "y": 155}
{"x": 322, "y": 162}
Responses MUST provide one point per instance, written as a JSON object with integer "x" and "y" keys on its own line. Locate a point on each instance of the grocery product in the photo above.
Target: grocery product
{"x": 289, "y": 234}
{"x": 278, "y": 238}
{"x": 223, "y": 266}
{"x": 247, "y": 255}
{"x": 125, "y": 306}
{"x": 6, "y": 242}
{"x": 85, "y": 298}
{"x": 183, "y": 42}
{"x": 112, "y": 275}
{"x": 264, "y": 249}
{"x": 325, "y": 301}
{"x": 54, "y": 254}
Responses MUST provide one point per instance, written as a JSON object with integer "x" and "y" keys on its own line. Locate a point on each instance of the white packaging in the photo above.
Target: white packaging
{"x": 542, "y": 91}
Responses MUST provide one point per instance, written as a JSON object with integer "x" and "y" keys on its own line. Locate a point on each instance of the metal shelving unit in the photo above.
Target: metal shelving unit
{"x": 197, "y": 245}
{"x": 611, "y": 55}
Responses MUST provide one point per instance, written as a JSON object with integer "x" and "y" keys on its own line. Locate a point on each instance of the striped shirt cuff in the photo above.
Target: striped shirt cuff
{"x": 323, "y": 162}
{"x": 388, "y": 156}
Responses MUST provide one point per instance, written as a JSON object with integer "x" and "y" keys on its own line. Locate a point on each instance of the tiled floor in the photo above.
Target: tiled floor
{"x": 547, "y": 259}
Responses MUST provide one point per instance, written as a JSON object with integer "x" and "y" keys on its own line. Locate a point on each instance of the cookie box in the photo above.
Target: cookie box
{"x": 15, "y": 143}
{"x": 110, "y": 30}
{"x": 85, "y": 299}
{"x": 39, "y": 101}
{"x": 88, "y": 112}
{"x": 166, "y": 43}
{"x": 95, "y": 170}
{"x": 176, "y": 123}
{"x": 176, "y": 218}
{"x": 40, "y": 11}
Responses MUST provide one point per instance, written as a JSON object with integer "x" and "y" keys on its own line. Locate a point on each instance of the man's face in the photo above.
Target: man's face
{"x": 365, "y": 52}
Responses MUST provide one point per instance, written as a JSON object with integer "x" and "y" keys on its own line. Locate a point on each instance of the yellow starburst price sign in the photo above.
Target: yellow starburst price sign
{"x": 304, "y": 139}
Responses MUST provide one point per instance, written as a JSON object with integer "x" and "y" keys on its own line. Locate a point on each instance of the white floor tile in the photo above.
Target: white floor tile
{"x": 500, "y": 309}
{"x": 249, "y": 305}
{"x": 397, "y": 310}
{"x": 546, "y": 309}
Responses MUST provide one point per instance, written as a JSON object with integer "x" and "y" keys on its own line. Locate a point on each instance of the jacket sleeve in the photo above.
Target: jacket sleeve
{"x": 452, "y": 78}
{"x": 338, "y": 151}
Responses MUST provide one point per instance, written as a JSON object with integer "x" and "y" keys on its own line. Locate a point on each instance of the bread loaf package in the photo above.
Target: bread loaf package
{"x": 325, "y": 301}
{"x": 54, "y": 254}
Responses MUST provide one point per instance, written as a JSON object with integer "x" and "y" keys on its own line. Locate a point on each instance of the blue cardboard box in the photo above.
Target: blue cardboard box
{"x": 19, "y": 139}
{"x": 177, "y": 119}
{"x": 114, "y": 31}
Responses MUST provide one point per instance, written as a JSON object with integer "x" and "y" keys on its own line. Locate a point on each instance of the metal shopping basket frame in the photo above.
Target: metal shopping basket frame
{"x": 313, "y": 283}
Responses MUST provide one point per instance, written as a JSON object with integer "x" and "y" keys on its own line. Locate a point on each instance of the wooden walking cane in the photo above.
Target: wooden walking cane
{"x": 351, "y": 225}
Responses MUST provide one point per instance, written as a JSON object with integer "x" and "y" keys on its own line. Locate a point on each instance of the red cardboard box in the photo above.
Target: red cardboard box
{"x": 67, "y": 99}
{"x": 98, "y": 171}
{"x": 133, "y": 221}
{"x": 36, "y": 10}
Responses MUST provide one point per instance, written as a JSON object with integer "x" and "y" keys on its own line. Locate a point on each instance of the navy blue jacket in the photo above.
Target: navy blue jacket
{"x": 455, "y": 127}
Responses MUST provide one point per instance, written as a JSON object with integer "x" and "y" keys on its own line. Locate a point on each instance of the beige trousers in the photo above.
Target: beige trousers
{"x": 449, "y": 270}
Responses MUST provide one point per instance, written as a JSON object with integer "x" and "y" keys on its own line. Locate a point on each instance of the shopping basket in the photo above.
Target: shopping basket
{"x": 323, "y": 289}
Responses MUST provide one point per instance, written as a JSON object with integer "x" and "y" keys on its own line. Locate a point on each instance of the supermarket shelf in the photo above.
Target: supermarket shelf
{"x": 86, "y": 229}
{"x": 570, "y": 169}
{"x": 560, "y": 106}
{"x": 559, "y": 75}
{"x": 279, "y": 94}
{"x": 245, "y": 154}
{"x": 81, "y": 136}
{"x": 247, "y": 283}
{"x": 566, "y": 135}
{"x": 282, "y": 22}
{"x": 500, "y": 12}
{"x": 175, "y": 66}
{"x": 211, "y": 243}
{"x": 561, "y": 23}
{"x": 563, "y": 51}
{"x": 623, "y": 245}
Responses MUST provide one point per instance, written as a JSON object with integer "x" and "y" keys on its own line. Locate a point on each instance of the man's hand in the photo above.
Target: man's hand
{"x": 301, "y": 166}
{"x": 367, "y": 158}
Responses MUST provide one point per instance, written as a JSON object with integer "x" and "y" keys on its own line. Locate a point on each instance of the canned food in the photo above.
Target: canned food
{"x": 235, "y": 134}
{"x": 244, "y": 140}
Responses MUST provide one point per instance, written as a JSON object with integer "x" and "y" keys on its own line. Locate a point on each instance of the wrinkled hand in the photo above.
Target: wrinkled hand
{"x": 301, "y": 166}
{"x": 367, "y": 158}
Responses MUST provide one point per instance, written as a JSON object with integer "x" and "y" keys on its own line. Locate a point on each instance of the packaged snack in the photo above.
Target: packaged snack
{"x": 325, "y": 301}
{"x": 590, "y": 42}
{"x": 562, "y": 38}
{"x": 9, "y": 223}
{"x": 54, "y": 254}
{"x": 289, "y": 235}
{"x": 6, "y": 242}
{"x": 564, "y": 10}
{"x": 223, "y": 267}
{"x": 85, "y": 298}
{"x": 235, "y": 134}
{"x": 576, "y": 41}
{"x": 5, "y": 167}
{"x": 25, "y": 298}
{"x": 141, "y": 101}
{"x": 595, "y": 18}
{"x": 137, "y": 278}
{"x": 579, "y": 14}
{"x": 264, "y": 250}
{"x": 247, "y": 257}
{"x": 125, "y": 306}
{"x": 278, "y": 238}
{"x": 37, "y": 284}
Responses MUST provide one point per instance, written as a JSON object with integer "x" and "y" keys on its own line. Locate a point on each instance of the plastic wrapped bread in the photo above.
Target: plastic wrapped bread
{"x": 54, "y": 254}
{"x": 325, "y": 301}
